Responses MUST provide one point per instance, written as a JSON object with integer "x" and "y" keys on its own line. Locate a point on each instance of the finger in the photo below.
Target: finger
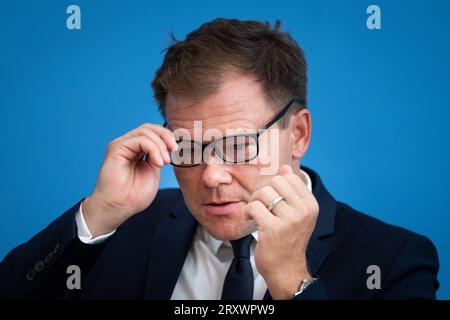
{"x": 302, "y": 189}
{"x": 258, "y": 212}
{"x": 133, "y": 147}
{"x": 285, "y": 169}
{"x": 285, "y": 189}
{"x": 267, "y": 195}
{"x": 166, "y": 135}
{"x": 158, "y": 140}
{"x": 163, "y": 133}
{"x": 295, "y": 181}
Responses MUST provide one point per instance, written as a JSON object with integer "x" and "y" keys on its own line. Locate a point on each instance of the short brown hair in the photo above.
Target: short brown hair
{"x": 193, "y": 68}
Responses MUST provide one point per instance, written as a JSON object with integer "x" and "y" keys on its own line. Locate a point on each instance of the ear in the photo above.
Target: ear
{"x": 300, "y": 130}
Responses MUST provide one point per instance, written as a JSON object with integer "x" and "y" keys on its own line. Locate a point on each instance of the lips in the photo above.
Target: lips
{"x": 222, "y": 208}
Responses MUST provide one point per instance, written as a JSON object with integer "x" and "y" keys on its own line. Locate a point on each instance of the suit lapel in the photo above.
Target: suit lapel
{"x": 170, "y": 246}
{"x": 316, "y": 253}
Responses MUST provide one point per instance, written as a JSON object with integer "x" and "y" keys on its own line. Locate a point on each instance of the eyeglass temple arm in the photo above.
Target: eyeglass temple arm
{"x": 281, "y": 114}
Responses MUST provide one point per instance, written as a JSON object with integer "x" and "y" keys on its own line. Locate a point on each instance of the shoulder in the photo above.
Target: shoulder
{"x": 349, "y": 220}
{"x": 376, "y": 237}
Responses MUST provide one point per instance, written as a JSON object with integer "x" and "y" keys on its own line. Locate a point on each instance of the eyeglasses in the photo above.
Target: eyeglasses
{"x": 237, "y": 148}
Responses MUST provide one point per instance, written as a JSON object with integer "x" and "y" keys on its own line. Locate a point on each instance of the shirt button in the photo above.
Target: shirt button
{"x": 56, "y": 248}
{"x": 30, "y": 274}
{"x": 39, "y": 266}
{"x": 48, "y": 257}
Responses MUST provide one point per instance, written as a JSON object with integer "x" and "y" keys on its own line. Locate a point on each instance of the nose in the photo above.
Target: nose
{"x": 215, "y": 174}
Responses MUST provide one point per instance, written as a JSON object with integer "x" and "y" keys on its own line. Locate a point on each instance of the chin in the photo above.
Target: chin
{"x": 231, "y": 226}
{"x": 228, "y": 229}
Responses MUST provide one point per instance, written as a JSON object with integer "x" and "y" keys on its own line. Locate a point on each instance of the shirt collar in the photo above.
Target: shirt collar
{"x": 308, "y": 180}
{"x": 214, "y": 244}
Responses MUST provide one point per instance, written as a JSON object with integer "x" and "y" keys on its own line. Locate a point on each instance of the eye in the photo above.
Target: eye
{"x": 240, "y": 146}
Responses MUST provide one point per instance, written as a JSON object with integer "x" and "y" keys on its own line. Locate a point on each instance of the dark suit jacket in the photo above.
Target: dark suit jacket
{"x": 143, "y": 259}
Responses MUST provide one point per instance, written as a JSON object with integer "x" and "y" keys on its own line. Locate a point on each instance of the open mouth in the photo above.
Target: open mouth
{"x": 222, "y": 208}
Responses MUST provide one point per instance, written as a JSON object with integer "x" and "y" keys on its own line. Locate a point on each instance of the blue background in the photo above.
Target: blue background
{"x": 379, "y": 100}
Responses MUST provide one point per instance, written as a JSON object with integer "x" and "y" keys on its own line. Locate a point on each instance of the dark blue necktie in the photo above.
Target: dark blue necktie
{"x": 238, "y": 283}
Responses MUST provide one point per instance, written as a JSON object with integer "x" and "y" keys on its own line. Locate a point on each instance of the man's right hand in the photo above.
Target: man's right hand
{"x": 127, "y": 184}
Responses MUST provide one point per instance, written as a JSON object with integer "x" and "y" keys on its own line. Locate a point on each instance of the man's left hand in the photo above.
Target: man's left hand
{"x": 284, "y": 232}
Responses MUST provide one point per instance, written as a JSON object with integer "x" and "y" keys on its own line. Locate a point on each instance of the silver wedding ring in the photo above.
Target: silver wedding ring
{"x": 275, "y": 201}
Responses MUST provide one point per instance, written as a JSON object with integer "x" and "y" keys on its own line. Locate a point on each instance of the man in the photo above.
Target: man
{"x": 248, "y": 222}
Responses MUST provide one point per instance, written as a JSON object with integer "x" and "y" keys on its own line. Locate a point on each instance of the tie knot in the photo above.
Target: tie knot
{"x": 241, "y": 247}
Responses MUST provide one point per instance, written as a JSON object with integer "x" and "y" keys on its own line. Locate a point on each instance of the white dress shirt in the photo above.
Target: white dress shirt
{"x": 206, "y": 264}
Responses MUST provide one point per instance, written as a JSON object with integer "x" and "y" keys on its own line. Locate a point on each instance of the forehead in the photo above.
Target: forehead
{"x": 239, "y": 103}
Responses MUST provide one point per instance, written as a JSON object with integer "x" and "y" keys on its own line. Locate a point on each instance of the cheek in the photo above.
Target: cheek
{"x": 249, "y": 178}
{"x": 188, "y": 179}
{"x": 187, "y": 175}
{"x": 274, "y": 151}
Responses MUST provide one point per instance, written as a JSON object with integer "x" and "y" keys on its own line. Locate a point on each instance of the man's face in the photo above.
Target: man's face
{"x": 216, "y": 193}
